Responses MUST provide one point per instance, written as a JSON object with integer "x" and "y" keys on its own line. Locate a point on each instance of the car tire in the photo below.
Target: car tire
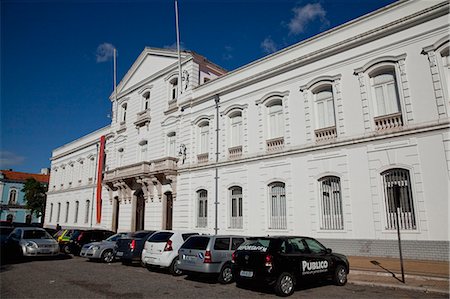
{"x": 107, "y": 256}
{"x": 285, "y": 284}
{"x": 226, "y": 274}
{"x": 340, "y": 275}
{"x": 66, "y": 249}
{"x": 173, "y": 269}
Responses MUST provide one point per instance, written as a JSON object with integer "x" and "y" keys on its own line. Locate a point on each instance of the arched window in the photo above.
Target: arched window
{"x": 58, "y": 213}
{"x": 67, "y": 213}
{"x": 51, "y": 213}
{"x": 277, "y": 206}
{"x": 235, "y": 207}
{"x": 275, "y": 119}
{"x": 204, "y": 137}
{"x": 12, "y": 197}
{"x": 146, "y": 101}
{"x": 171, "y": 144}
{"x": 385, "y": 91}
{"x": 173, "y": 88}
{"x": 202, "y": 202}
{"x": 324, "y": 103}
{"x": 235, "y": 129}
{"x": 124, "y": 112}
{"x": 397, "y": 182}
{"x": 77, "y": 206}
{"x": 331, "y": 203}
{"x": 10, "y": 218}
{"x": 28, "y": 219}
{"x": 86, "y": 215}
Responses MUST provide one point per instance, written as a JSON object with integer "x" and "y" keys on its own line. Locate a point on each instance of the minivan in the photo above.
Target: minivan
{"x": 209, "y": 254}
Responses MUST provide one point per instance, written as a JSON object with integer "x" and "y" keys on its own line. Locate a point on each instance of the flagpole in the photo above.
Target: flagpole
{"x": 178, "y": 49}
{"x": 115, "y": 81}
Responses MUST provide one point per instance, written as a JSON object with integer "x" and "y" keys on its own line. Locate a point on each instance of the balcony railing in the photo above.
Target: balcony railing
{"x": 235, "y": 152}
{"x": 390, "y": 121}
{"x": 275, "y": 144}
{"x": 328, "y": 133}
{"x": 202, "y": 158}
{"x": 236, "y": 222}
{"x": 202, "y": 221}
{"x": 143, "y": 118}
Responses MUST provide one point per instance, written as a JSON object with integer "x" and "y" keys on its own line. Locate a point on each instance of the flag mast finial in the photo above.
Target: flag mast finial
{"x": 180, "y": 79}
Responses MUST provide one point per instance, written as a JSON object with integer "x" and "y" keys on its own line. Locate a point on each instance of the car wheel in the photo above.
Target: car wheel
{"x": 66, "y": 249}
{"x": 107, "y": 256}
{"x": 285, "y": 284}
{"x": 340, "y": 275}
{"x": 173, "y": 269}
{"x": 226, "y": 274}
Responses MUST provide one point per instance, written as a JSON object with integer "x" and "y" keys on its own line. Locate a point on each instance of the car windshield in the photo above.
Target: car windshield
{"x": 257, "y": 244}
{"x": 36, "y": 234}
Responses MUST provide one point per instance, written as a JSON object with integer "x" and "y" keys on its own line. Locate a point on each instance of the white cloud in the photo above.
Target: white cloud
{"x": 174, "y": 46}
{"x": 104, "y": 52}
{"x": 268, "y": 45}
{"x": 8, "y": 159}
{"x": 305, "y": 14}
{"x": 227, "y": 54}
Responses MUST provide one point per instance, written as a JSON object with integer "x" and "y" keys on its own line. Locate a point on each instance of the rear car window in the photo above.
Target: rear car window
{"x": 186, "y": 236}
{"x": 236, "y": 242}
{"x": 140, "y": 235}
{"x": 36, "y": 234}
{"x": 197, "y": 243}
{"x": 260, "y": 244}
{"x": 222, "y": 244}
{"x": 160, "y": 237}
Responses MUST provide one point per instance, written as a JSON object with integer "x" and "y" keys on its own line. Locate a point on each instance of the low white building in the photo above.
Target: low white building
{"x": 312, "y": 140}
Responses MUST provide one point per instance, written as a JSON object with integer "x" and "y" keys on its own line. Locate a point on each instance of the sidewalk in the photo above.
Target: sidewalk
{"x": 426, "y": 276}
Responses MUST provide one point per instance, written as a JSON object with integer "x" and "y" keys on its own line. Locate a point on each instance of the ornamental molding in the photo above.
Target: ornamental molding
{"x": 272, "y": 95}
{"x": 378, "y": 60}
{"x": 233, "y": 107}
{"x": 319, "y": 80}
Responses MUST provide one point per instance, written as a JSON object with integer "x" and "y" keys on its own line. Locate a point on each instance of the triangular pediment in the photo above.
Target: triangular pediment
{"x": 150, "y": 62}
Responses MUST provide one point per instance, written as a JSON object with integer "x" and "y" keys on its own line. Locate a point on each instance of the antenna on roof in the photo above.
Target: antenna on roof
{"x": 179, "y": 83}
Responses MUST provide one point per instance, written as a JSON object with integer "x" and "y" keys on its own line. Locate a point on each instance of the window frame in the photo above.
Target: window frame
{"x": 327, "y": 123}
{"x": 277, "y": 211}
{"x": 331, "y": 212}
{"x": 202, "y": 208}
{"x": 12, "y": 196}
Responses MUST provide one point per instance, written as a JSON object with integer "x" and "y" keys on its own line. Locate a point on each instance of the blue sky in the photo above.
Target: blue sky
{"x": 56, "y": 67}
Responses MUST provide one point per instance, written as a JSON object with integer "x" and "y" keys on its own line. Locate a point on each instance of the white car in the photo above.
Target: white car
{"x": 161, "y": 249}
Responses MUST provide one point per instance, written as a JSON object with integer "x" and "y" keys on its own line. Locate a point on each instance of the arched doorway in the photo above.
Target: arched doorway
{"x": 140, "y": 210}
{"x": 115, "y": 219}
{"x": 168, "y": 210}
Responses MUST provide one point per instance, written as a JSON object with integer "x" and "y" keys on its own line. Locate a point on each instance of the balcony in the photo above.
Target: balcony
{"x": 325, "y": 134}
{"x": 143, "y": 118}
{"x": 387, "y": 122}
{"x": 275, "y": 144}
{"x": 235, "y": 152}
{"x": 202, "y": 158}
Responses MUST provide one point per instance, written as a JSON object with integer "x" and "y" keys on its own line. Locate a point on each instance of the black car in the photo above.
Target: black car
{"x": 129, "y": 249}
{"x": 88, "y": 236}
{"x": 283, "y": 261}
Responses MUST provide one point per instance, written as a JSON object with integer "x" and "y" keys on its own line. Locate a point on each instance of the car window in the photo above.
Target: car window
{"x": 236, "y": 242}
{"x": 293, "y": 245}
{"x": 139, "y": 235}
{"x": 160, "y": 237}
{"x": 197, "y": 243}
{"x": 314, "y": 246}
{"x": 186, "y": 236}
{"x": 222, "y": 244}
{"x": 258, "y": 244}
{"x": 114, "y": 237}
{"x": 18, "y": 233}
{"x": 36, "y": 234}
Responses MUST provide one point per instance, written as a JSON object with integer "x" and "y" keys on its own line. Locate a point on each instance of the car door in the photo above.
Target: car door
{"x": 318, "y": 262}
{"x": 291, "y": 256}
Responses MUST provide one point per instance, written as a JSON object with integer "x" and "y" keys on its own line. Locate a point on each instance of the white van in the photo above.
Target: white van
{"x": 161, "y": 249}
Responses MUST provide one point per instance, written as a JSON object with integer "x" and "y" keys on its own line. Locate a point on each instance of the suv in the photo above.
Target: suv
{"x": 209, "y": 254}
{"x": 282, "y": 261}
{"x": 129, "y": 248}
{"x": 161, "y": 249}
{"x": 78, "y": 240}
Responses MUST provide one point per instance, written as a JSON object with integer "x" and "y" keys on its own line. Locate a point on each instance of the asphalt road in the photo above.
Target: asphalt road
{"x": 75, "y": 277}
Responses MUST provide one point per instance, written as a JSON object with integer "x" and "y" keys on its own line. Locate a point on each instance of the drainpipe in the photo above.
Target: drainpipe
{"x": 216, "y": 203}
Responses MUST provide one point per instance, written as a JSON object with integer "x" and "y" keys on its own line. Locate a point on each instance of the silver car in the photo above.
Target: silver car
{"x": 209, "y": 254}
{"x": 32, "y": 241}
{"x": 103, "y": 250}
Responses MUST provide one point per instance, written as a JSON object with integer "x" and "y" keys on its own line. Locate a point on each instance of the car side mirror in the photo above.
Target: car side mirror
{"x": 329, "y": 250}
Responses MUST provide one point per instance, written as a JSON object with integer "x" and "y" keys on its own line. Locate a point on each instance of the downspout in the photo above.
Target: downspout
{"x": 216, "y": 202}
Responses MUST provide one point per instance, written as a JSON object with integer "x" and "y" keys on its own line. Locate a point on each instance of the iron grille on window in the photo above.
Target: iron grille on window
{"x": 407, "y": 218}
{"x": 277, "y": 206}
{"x": 331, "y": 203}
{"x": 236, "y": 207}
{"x": 202, "y": 217}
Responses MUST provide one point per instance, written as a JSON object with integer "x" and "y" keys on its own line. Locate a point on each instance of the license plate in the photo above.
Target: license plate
{"x": 45, "y": 251}
{"x": 119, "y": 253}
{"x": 246, "y": 273}
{"x": 189, "y": 257}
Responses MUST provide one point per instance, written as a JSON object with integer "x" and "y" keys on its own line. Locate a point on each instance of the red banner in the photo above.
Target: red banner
{"x": 101, "y": 158}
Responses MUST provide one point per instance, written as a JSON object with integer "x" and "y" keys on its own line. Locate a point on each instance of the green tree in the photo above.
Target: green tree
{"x": 35, "y": 196}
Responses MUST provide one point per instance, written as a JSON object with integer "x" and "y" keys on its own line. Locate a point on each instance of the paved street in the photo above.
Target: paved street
{"x": 78, "y": 278}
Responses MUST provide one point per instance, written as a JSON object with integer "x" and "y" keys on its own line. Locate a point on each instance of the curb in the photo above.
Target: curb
{"x": 403, "y": 287}
{"x": 412, "y": 276}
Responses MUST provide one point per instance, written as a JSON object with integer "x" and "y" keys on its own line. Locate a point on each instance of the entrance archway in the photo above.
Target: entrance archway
{"x": 140, "y": 210}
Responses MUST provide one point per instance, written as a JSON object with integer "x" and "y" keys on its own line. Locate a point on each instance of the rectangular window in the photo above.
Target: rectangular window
{"x": 51, "y": 213}
{"x": 325, "y": 109}
{"x": 202, "y": 217}
{"x": 236, "y": 131}
{"x": 67, "y": 212}
{"x": 86, "y": 216}
{"x": 171, "y": 144}
{"x": 204, "y": 139}
{"x": 77, "y": 205}
{"x": 386, "y": 95}
{"x": 236, "y": 207}
{"x": 58, "y": 214}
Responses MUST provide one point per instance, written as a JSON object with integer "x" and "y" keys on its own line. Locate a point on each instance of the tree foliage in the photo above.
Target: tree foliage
{"x": 35, "y": 196}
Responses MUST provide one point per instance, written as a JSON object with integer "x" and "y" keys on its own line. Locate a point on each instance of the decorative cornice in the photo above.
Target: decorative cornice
{"x": 382, "y": 59}
{"x": 436, "y": 45}
{"x": 271, "y": 95}
{"x": 320, "y": 79}
{"x": 234, "y": 107}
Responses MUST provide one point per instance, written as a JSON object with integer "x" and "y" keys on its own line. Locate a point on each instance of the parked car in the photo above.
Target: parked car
{"x": 283, "y": 261}
{"x": 51, "y": 231}
{"x": 129, "y": 249}
{"x": 4, "y": 233}
{"x": 31, "y": 241}
{"x": 209, "y": 254}
{"x": 103, "y": 250}
{"x": 63, "y": 237}
{"x": 88, "y": 236}
{"x": 161, "y": 249}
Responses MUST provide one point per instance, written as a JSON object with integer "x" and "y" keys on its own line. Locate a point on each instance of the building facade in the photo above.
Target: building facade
{"x": 13, "y": 202}
{"x": 316, "y": 139}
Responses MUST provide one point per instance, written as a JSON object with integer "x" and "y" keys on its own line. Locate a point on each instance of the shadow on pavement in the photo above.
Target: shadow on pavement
{"x": 376, "y": 263}
{"x": 6, "y": 262}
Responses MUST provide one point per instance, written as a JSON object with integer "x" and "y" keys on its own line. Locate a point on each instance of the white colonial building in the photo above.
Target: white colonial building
{"x": 312, "y": 140}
